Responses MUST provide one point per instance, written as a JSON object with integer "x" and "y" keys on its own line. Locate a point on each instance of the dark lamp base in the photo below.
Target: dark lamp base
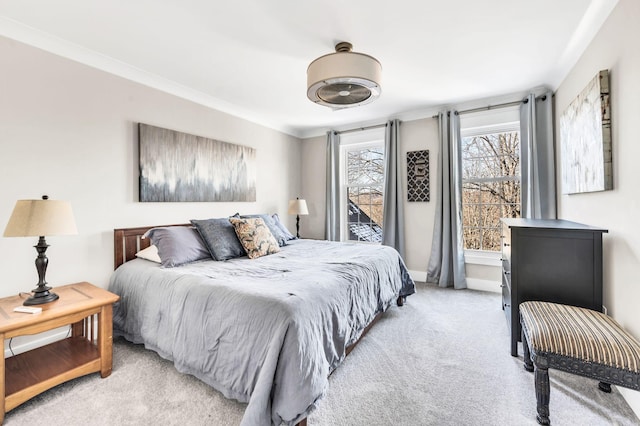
{"x": 40, "y": 297}
{"x": 41, "y": 293}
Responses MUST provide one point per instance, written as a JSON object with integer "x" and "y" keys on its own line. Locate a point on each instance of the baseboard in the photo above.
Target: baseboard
{"x": 632, "y": 397}
{"x": 483, "y": 285}
{"x": 419, "y": 276}
{"x": 22, "y": 344}
{"x": 472, "y": 283}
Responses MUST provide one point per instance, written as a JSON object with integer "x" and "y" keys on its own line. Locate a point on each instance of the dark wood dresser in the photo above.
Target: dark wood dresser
{"x": 549, "y": 260}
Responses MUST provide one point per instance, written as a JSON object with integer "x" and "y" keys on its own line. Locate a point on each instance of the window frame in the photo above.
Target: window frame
{"x": 489, "y": 122}
{"x": 354, "y": 142}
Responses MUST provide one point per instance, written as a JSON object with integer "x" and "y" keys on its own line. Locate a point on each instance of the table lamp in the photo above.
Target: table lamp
{"x": 39, "y": 218}
{"x": 298, "y": 207}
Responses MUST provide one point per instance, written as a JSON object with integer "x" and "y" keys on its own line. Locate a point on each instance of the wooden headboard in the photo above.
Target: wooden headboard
{"x": 128, "y": 241}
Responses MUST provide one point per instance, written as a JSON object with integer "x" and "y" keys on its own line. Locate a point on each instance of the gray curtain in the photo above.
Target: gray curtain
{"x": 537, "y": 158}
{"x": 332, "y": 213}
{"x": 446, "y": 264}
{"x": 393, "y": 223}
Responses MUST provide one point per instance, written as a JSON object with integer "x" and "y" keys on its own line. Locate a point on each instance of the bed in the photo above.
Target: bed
{"x": 267, "y": 331}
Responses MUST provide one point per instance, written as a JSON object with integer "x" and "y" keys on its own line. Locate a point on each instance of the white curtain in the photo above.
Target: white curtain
{"x": 393, "y": 222}
{"x": 446, "y": 264}
{"x": 538, "y": 157}
{"x": 332, "y": 212}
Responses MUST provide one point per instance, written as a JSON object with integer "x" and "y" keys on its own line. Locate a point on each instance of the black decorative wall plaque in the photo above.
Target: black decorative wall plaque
{"x": 418, "y": 175}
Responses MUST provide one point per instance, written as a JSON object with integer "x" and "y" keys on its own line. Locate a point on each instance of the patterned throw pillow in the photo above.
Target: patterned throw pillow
{"x": 255, "y": 237}
{"x": 280, "y": 237}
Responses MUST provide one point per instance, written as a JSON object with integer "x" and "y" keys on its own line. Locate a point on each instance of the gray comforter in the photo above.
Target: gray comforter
{"x": 266, "y": 331}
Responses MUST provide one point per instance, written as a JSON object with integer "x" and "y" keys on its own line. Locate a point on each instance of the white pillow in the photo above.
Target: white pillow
{"x": 150, "y": 253}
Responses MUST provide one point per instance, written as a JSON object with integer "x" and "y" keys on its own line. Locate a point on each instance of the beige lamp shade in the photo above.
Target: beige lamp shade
{"x": 298, "y": 207}
{"x": 32, "y": 218}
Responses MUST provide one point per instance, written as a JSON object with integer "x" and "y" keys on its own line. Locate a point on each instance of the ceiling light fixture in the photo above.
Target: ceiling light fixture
{"x": 344, "y": 79}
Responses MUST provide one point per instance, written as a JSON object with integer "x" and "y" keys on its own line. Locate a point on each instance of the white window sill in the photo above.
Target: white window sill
{"x": 479, "y": 257}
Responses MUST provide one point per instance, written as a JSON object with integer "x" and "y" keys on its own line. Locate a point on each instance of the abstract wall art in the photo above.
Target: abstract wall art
{"x": 179, "y": 167}
{"x": 585, "y": 138}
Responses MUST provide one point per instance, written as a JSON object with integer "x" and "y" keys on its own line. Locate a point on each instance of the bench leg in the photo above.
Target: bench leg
{"x": 541, "y": 375}
{"x": 528, "y": 365}
{"x": 604, "y": 387}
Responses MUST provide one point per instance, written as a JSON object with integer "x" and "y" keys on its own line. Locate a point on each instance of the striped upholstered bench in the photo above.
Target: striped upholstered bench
{"x": 579, "y": 341}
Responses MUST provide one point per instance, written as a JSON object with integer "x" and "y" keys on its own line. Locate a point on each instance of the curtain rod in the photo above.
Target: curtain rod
{"x": 490, "y": 107}
{"x": 361, "y": 128}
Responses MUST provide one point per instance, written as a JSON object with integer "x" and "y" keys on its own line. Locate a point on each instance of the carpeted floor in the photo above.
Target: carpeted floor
{"x": 442, "y": 359}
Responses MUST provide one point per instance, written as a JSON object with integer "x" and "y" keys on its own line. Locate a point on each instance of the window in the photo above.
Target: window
{"x": 490, "y": 183}
{"x": 362, "y": 181}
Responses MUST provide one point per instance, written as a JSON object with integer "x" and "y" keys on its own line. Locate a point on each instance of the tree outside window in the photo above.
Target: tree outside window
{"x": 490, "y": 186}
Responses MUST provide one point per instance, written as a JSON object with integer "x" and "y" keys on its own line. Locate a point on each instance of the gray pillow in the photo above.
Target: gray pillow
{"x": 178, "y": 245}
{"x": 220, "y": 238}
{"x": 271, "y": 224}
{"x": 288, "y": 235}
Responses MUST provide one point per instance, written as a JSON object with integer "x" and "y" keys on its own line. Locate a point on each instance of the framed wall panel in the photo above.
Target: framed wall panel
{"x": 585, "y": 137}
{"x": 179, "y": 167}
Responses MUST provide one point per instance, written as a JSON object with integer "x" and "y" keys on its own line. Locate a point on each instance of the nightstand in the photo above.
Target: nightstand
{"x": 88, "y": 311}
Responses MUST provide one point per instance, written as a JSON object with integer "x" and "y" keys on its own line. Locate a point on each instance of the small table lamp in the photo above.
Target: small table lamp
{"x": 298, "y": 207}
{"x": 37, "y": 218}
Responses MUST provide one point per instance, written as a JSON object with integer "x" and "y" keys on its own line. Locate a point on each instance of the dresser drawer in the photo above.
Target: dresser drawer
{"x": 506, "y": 270}
{"x": 506, "y": 302}
{"x": 506, "y": 280}
{"x": 506, "y": 248}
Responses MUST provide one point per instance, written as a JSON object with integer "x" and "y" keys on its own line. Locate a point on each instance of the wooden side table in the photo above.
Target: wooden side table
{"x": 89, "y": 312}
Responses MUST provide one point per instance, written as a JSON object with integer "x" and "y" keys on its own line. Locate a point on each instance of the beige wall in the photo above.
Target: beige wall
{"x": 615, "y": 48}
{"x": 314, "y": 154}
{"x": 417, "y": 135}
{"x": 69, "y": 131}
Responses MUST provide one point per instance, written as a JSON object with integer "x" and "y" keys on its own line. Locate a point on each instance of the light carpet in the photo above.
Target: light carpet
{"x": 442, "y": 359}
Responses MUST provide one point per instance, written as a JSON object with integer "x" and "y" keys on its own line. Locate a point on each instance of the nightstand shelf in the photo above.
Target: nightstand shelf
{"x": 29, "y": 373}
{"x": 88, "y": 311}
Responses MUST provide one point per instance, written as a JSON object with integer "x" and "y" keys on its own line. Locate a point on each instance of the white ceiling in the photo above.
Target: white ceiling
{"x": 249, "y": 57}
